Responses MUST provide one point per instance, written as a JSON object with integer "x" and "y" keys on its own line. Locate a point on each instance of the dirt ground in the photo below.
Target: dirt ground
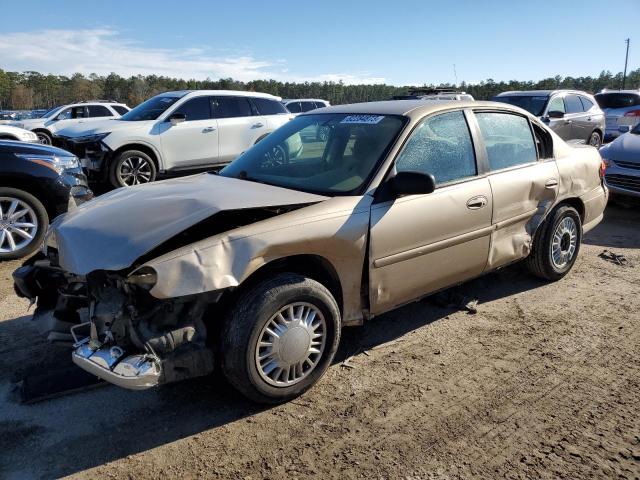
{"x": 542, "y": 382}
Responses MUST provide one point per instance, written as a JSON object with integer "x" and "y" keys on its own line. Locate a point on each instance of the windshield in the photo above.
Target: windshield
{"x": 617, "y": 100}
{"x": 533, "y": 104}
{"x": 328, "y": 154}
{"x": 636, "y": 129}
{"x": 151, "y": 109}
{"x": 49, "y": 113}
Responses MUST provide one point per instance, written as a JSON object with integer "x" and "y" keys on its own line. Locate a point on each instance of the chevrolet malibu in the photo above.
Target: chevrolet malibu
{"x": 259, "y": 267}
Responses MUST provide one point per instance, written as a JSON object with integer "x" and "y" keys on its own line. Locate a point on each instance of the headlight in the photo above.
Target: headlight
{"x": 144, "y": 277}
{"x": 96, "y": 137}
{"x": 55, "y": 162}
{"x": 28, "y": 136}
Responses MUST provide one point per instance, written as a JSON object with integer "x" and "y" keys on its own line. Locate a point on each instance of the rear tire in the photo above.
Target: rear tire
{"x": 595, "y": 140}
{"x": 13, "y": 228}
{"x": 132, "y": 167}
{"x": 556, "y": 244}
{"x": 272, "y": 360}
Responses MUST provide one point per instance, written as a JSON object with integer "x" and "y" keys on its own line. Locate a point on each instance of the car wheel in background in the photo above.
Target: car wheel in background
{"x": 556, "y": 244}
{"x": 322, "y": 134}
{"x": 277, "y": 156}
{"x": 132, "y": 167}
{"x": 44, "y": 138}
{"x": 279, "y": 338}
{"x": 595, "y": 140}
{"x": 23, "y": 223}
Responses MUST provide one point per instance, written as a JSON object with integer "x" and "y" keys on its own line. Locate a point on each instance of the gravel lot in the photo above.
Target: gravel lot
{"x": 543, "y": 382}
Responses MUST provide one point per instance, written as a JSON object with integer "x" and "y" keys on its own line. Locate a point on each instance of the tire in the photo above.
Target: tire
{"x": 541, "y": 262}
{"x": 595, "y": 140}
{"x": 132, "y": 167}
{"x": 276, "y": 157}
{"x": 257, "y": 310}
{"x": 14, "y": 245}
{"x": 44, "y": 137}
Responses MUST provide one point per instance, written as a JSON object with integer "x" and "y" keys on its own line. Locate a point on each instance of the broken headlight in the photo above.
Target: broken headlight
{"x": 144, "y": 277}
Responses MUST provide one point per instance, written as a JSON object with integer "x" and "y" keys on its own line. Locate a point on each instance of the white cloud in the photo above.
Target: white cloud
{"x": 105, "y": 50}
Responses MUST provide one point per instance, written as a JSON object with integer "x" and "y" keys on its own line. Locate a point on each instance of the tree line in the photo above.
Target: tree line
{"x": 33, "y": 90}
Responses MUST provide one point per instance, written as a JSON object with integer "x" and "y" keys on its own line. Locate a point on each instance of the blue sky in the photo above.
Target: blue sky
{"x": 411, "y": 42}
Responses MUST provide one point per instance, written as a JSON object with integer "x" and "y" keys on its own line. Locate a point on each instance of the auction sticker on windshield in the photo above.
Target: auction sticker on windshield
{"x": 368, "y": 119}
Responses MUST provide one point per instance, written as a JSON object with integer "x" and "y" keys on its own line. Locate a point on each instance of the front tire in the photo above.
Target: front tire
{"x": 280, "y": 338}
{"x": 44, "y": 137}
{"x": 556, "y": 244}
{"x": 23, "y": 223}
{"x": 132, "y": 167}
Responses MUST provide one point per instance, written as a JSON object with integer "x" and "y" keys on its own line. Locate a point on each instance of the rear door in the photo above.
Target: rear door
{"x": 272, "y": 111}
{"x": 524, "y": 183}
{"x": 239, "y": 128}
{"x": 423, "y": 243}
{"x": 580, "y": 123}
{"x": 193, "y": 142}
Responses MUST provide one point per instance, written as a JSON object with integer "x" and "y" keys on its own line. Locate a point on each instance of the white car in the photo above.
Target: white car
{"x": 174, "y": 132}
{"x": 299, "y": 105}
{"x": 8, "y": 132}
{"x": 54, "y": 120}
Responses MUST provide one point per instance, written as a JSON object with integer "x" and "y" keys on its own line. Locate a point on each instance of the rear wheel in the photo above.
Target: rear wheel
{"x": 556, "y": 244}
{"x": 130, "y": 168}
{"x": 23, "y": 223}
{"x": 595, "y": 140}
{"x": 280, "y": 338}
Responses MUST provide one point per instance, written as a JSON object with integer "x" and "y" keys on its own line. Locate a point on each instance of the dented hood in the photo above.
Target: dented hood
{"x": 113, "y": 230}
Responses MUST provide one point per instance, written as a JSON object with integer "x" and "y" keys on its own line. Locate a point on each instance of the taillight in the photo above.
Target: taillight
{"x": 603, "y": 168}
{"x": 632, "y": 113}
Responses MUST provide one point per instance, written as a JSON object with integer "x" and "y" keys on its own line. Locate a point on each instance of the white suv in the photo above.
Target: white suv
{"x": 173, "y": 132}
{"x": 58, "y": 118}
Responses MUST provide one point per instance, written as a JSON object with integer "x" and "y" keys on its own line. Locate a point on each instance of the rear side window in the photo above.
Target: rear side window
{"x": 586, "y": 103}
{"x": 320, "y": 104}
{"x": 99, "y": 111}
{"x": 440, "y": 145}
{"x": 573, "y": 103}
{"x": 556, "y": 105}
{"x": 195, "y": 109}
{"x": 230, "y": 107}
{"x": 617, "y": 100}
{"x": 120, "y": 109}
{"x": 508, "y": 139}
{"x": 294, "y": 107}
{"x": 268, "y": 107}
{"x": 308, "y": 106}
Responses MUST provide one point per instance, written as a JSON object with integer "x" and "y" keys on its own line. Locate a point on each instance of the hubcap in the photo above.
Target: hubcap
{"x": 18, "y": 224}
{"x": 565, "y": 241}
{"x": 291, "y": 344}
{"x": 276, "y": 156}
{"x": 595, "y": 140}
{"x": 43, "y": 139}
{"x": 135, "y": 170}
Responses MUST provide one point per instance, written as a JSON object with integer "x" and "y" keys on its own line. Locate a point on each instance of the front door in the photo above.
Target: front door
{"x": 193, "y": 142}
{"x": 423, "y": 243}
{"x": 562, "y": 126}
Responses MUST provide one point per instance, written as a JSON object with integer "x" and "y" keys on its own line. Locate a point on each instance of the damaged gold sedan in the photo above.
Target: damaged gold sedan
{"x": 258, "y": 267}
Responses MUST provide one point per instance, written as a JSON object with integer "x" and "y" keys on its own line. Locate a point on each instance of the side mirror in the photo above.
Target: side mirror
{"x": 625, "y": 128}
{"x": 177, "y": 118}
{"x": 413, "y": 183}
{"x": 556, "y": 114}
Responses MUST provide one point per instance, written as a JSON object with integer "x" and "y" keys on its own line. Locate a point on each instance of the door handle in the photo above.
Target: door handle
{"x": 476, "y": 203}
{"x": 551, "y": 183}
{"x": 257, "y": 125}
{"x": 208, "y": 129}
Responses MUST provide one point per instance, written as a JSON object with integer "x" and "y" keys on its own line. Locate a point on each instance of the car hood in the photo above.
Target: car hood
{"x": 101, "y": 126}
{"x": 625, "y": 148}
{"x": 29, "y": 123}
{"x": 113, "y": 230}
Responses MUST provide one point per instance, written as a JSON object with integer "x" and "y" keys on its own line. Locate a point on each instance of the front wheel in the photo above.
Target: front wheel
{"x": 280, "y": 338}
{"x": 23, "y": 223}
{"x": 44, "y": 138}
{"x": 595, "y": 140}
{"x": 130, "y": 168}
{"x": 556, "y": 244}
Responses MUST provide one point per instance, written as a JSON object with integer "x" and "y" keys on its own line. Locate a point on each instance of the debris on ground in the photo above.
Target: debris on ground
{"x": 614, "y": 258}
{"x": 455, "y": 299}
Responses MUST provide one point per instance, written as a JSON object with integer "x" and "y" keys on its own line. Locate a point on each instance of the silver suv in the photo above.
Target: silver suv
{"x": 574, "y": 115}
{"x": 621, "y": 109}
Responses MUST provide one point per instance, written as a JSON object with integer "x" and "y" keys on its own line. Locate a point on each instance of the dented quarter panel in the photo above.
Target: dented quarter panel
{"x": 335, "y": 230}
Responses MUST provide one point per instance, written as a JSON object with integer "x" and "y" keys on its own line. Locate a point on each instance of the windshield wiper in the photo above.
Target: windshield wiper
{"x": 243, "y": 176}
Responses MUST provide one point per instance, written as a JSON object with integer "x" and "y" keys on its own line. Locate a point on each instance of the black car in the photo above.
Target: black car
{"x": 37, "y": 183}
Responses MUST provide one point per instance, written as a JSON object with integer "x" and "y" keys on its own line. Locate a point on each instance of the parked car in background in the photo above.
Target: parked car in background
{"x": 258, "y": 267}
{"x": 37, "y": 183}
{"x": 575, "y": 116}
{"x": 434, "y": 95}
{"x": 622, "y": 157}
{"x": 301, "y": 105}
{"x": 7, "y": 132}
{"x": 621, "y": 109}
{"x": 174, "y": 132}
{"x": 58, "y": 118}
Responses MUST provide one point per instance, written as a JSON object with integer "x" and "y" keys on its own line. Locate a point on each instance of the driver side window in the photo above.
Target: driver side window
{"x": 556, "y": 105}
{"x": 440, "y": 145}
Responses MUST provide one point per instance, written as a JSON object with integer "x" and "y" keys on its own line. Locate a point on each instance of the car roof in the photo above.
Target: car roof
{"x": 636, "y": 92}
{"x": 237, "y": 93}
{"x": 516, "y": 93}
{"x": 412, "y": 108}
{"x": 286, "y": 100}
